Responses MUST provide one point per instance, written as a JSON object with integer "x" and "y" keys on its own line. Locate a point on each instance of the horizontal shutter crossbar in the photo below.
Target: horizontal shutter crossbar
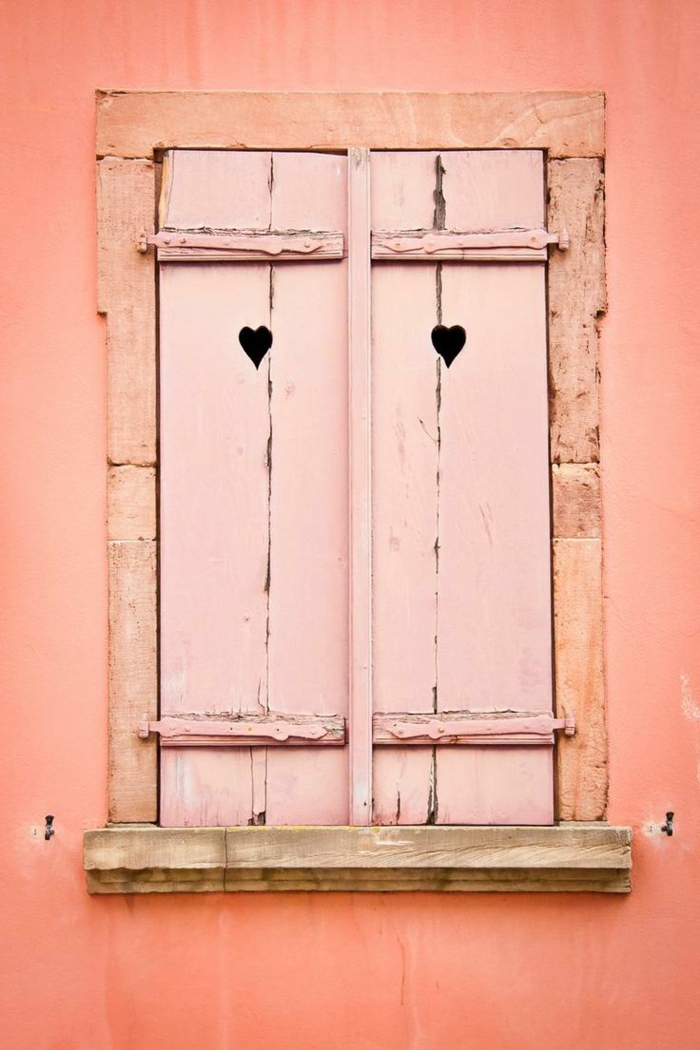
{"x": 242, "y": 245}
{"x": 261, "y": 246}
{"x": 246, "y": 730}
{"x": 496, "y": 246}
{"x": 464, "y": 727}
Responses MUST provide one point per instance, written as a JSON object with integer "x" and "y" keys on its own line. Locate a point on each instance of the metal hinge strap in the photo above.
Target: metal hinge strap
{"x": 233, "y": 245}
{"x": 465, "y": 727}
{"x": 506, "y": 245}
{"x": 247, "y": 730}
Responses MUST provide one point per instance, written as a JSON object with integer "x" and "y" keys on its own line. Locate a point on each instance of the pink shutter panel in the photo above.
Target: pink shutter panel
{"x": 308, "y": 640}
{"x": 253, "y": 491}
{"x": 461, "y": 496}
{"x": 404, "y": 493}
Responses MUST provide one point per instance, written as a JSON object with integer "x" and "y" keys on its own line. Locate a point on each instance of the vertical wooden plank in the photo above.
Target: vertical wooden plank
{"x": 308, "y": 598}
{"x": 404, "y": 484}
{"x": 582, "y": 760}
{"x": 133, "y": 680}
{"x": 404, "y": 527}
{"x": 494, "y": 607}
{"x": 214, "y": 526}
{"x": 360, "y": 428}
{"x": 403, "y": 188}
{"x": 494, "y": 615}
{"x": 215, "y": 429}
{"x": 215, "y": 189}
{"x": 126, "y": 294}
{"x": 493, "y": 189}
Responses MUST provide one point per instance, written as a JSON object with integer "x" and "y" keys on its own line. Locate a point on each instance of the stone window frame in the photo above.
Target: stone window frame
{"x": 133, "y": 129}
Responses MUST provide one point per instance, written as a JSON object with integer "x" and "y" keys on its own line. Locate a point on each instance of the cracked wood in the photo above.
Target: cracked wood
{"x": 254, "y": 492}
{"x": 461, "y": 516}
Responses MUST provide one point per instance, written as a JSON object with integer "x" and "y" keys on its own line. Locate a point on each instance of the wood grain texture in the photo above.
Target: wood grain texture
{"x": 493, "y": 189}
{"x": 576, "y": 501}
{"x": 577, "y": 299}
{"x": 461, "y": 492}
{"x": 404, "y": 513}
{"x": 494, "y": 626}
{"x": 197, "y": 190}
{"x": 564, "y": 858}
{"x": 133, "y": 680}
{"x": 404, "y": 494}
{"x": 131, "y": 503}
{"x": 582, "y": 760}
{"x": 308, "y": 637}
{"x": 494, "y": 591}
{"x": 360, "y": 484}
{"x": 126, "y": 294}
{"x": 231, "y": 246}
{"x": 254, "y": 491}
{"x": 133, "y": 124}
{"x": 215, "y": 428}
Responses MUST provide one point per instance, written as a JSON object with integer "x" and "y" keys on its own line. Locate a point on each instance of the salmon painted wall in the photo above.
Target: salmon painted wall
{"x": 366, "y": 971}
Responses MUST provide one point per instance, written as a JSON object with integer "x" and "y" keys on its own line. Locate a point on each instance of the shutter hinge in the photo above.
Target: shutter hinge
{"x": 502, "y": 728}
{"x": 242, "y": 245}
{"x": 246, "y": 730}
{"x": 506, "y": 245}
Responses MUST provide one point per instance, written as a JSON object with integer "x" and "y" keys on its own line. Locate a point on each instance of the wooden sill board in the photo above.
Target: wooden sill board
{"x": 143, "y": 858}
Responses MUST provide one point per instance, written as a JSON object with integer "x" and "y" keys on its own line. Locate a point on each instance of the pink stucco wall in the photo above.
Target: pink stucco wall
{"x": 309, "y": 972}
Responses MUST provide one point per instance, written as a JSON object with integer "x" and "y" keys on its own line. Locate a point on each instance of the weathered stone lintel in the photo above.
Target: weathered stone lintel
{"x": 139, "y": 123}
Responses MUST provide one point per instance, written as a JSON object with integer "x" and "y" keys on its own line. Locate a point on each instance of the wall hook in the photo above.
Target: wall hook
{"x": 667, "y": 828}
{"x": 49, "y": 830}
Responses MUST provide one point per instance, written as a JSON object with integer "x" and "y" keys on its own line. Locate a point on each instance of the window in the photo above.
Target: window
{"x": 256, "y": 569}
{"x": 425, "y": 302}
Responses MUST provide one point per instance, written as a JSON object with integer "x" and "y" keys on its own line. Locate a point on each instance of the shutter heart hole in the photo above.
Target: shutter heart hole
{"x": 448, "y": 341}
{"x": 256, "y": 342}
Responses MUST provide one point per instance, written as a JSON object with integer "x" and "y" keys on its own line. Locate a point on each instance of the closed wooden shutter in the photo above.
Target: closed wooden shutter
{"x": 253, "y": 563}
{"x": 462, "y": 619}
{"x": 262, "y": 719}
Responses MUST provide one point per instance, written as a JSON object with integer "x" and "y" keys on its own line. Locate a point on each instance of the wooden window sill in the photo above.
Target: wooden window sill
{"x": 143, "y": 858}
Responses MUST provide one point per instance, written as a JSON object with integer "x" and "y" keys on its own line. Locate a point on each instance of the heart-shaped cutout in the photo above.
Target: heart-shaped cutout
{"x": 255, "y": 342}
{"x": 448, "y": 341}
